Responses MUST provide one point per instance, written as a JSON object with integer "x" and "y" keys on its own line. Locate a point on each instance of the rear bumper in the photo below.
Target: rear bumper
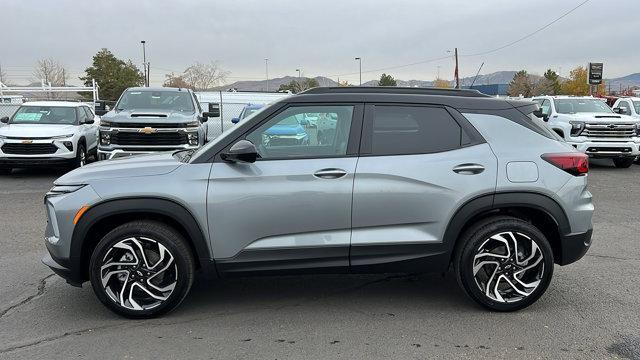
{"x": 62, "y": 271}
{"x": 574, "y": 247}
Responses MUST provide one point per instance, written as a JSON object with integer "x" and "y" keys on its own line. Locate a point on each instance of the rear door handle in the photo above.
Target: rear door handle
{"x": 468, "y": 169}
{"x": 330, "y": 173}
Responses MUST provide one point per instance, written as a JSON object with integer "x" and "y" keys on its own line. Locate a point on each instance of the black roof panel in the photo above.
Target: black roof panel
{"x": 395, "y": 90}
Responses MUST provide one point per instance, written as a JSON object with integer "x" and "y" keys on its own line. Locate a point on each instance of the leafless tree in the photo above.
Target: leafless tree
{"x": 51, "y": 71}
{"x": 543, "y": 86}
{"x": 204, "y": 76}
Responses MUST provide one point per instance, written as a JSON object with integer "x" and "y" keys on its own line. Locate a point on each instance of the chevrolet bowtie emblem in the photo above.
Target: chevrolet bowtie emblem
{"x": 611, "y": 126}
{"x": 147, "y": 130}
{"x": 27, "y": 141}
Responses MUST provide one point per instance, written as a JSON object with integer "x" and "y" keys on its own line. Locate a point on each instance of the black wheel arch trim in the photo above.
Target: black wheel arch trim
{"x": 496, "y": 201}
{"x": 160, "y": 206}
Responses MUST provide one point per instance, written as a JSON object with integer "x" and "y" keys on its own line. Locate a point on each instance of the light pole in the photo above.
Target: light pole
{"x": 360, "y": 66}
{"x": 299, "y": 73}
{"x": 266, "y": 69}
{"x": 144, "y": 63}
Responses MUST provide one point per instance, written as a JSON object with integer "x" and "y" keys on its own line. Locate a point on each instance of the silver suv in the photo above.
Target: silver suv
{"x": 410, "y": 180}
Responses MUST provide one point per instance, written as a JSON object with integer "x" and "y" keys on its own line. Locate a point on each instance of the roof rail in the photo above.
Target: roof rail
{"x": 395, "y": 90}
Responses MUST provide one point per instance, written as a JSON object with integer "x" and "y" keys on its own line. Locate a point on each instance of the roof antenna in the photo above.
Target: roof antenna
{"x": 474, "y": 79}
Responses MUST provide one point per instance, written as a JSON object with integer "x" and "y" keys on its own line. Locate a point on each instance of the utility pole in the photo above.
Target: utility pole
{"x": 438, "y": 72}
{"x": 360, "y": 66}
{"x": 266, "y": 67}
{"x": 64, "y": 78}
{"x": 144, "y": 63}
{"x": 299, "y": 74}
{"x": 456, "y": 72}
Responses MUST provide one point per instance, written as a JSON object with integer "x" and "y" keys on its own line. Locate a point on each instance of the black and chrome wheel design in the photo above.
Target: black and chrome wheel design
{"x": 508, "y": 266}
{"x": 504, "y": 263}
{"x": 138, "y": 273}
{"x": 142, "y": 269}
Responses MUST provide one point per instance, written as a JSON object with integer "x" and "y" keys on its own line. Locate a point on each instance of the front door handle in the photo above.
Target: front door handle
{"x": 468, "y": 169}
{"x": 330, "y": 173}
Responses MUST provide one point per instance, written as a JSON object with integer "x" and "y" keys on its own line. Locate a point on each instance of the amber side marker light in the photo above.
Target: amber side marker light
{"x": 79, "y": 214}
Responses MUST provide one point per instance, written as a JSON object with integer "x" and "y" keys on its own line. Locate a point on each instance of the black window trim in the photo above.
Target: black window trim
{"x": 465, "y": 129}
{"x": 353, "y": 143}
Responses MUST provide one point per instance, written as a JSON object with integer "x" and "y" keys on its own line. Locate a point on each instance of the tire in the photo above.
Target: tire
{"x": 477, "y": 266}
{"x": 81, "y": 156}
{"x": 623, "y": 162}
{"x": 165, "y": 249}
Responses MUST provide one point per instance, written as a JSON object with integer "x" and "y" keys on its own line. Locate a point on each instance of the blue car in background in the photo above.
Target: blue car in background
{"x": 249, "y": 109}
{"x": 287, "y": 132}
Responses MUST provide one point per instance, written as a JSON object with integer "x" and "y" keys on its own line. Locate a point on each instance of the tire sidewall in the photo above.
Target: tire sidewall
{"x": 168, "y": 238}
{"x": 465, "y": 265}
{"x": 81, "y": 149}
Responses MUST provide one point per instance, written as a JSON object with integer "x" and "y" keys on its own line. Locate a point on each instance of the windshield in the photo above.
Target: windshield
{"x": 156, "y": 100}
{"x": 573, "y": 106}
{"x": 249, "y": 112}
{"x": 636, "y": 104}
{"x": 44, "y": 115}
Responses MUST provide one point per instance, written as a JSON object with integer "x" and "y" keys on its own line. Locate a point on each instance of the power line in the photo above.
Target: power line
{"x": 530, "y": 34}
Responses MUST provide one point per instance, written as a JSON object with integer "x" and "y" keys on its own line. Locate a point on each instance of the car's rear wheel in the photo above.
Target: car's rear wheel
{"x": 623, "y": 162}
{"x": 142, "y": 269}
{"x": 504, "y": 263}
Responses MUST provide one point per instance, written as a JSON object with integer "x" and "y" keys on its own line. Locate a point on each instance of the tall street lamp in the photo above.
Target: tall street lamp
{"x": 360, "y": 64}
{"x": 266, "y": 69}
{"x": 144, "y": 63}
{"x": 299, "y": 73}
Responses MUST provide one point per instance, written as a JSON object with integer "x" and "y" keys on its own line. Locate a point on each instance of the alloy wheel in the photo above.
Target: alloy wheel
{"x": 138, "y": 273}
{"x": 508, "y": 267}
{"x": 83, "y": 158}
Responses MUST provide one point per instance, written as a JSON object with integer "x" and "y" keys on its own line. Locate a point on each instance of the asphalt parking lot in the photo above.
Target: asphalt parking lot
{"x": 591, "y": 309}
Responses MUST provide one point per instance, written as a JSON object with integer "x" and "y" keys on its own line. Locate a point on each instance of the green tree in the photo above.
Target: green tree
{"x": 520, "y": 85}
{"x": 387, "y": 80}
{"x": 112, "y": 75}
{"x": 554, "y": 80}
{"x": 440, "y": 83}
{"x": 298, "y": 86}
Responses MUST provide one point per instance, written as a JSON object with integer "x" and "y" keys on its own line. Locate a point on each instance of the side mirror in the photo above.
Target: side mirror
{"x": 304, "y": 122}
{"x": 540, "y": 113}
{"x": 214, "y": 110}
{"x": 4, "y": 119}
{"x": 203, "y": 118}
{"x": 89, "y": 121}
{"x": 241, "y": 152}
{"x": 620, "y": 110}
{"x": 235, "y": 120}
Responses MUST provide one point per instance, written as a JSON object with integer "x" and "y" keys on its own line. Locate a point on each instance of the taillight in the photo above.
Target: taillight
{"x": 574, "y": 163}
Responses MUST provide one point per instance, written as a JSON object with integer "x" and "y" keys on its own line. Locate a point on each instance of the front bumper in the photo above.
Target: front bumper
{"x": 607, "y": 148}
{"x": 114, "y": 153}
{"x": 574, "y": 247}
{"x": 63, "y": 272}
{"x": 62, "y": 155}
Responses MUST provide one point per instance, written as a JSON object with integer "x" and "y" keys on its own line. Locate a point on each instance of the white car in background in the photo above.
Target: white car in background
{"x": 48, "y": 133}
{"x": 628, "y": 106}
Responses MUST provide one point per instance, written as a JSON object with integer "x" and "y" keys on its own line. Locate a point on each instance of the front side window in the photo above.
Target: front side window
{"x": 403, "y": 130}
{"x": 156, "y": 100}
{"x": 636, "y": 105}
{"x": 289, "y": 134}
{"x": 44, "y": 115}
{"x": 546, "y": 107}
{"x": 574, "y": 106}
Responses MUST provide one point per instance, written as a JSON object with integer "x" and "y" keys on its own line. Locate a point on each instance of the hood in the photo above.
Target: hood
{"x": 124, "y": 167}
{"x": 285, "y": 130}
{"x": 604, "y": 118}
{"x": 148, "y": 116}
{"x": 36, "y": 130}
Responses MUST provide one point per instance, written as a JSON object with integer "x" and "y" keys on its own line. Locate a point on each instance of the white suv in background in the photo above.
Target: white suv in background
{"x": 48, "y": 133}
{"x": 592, "y": 127}
{"x": 628, "y": 106}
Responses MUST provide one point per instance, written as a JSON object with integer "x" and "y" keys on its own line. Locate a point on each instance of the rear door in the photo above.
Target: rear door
{"x": 418, "y": 165}
{"x": 291, "y": 209}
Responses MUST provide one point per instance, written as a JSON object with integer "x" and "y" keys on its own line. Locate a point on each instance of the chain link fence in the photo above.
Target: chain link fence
{"x": 231, "y": 105}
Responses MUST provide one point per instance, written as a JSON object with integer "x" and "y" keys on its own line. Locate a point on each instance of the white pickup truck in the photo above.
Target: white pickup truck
{"x": 592, "y": 127}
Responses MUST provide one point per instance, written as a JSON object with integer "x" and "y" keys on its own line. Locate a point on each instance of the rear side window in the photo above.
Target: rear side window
{"x": 403, "y": 130}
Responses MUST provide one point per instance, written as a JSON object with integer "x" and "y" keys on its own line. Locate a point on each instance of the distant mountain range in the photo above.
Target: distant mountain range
{"x": 498, "y": 77}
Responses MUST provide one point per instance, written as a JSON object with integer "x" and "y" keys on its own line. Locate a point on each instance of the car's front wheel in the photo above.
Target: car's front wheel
{"x": 81, "y": 156}
{"x": 504, "y": 263}
{"x": 142, "y": 269}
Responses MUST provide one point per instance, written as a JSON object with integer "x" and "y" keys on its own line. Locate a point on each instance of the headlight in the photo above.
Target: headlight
{"x": 193, "y": 123}
{"x": 576, "y": 127}
{"x": 2, "y": 137}
{"x": 105, "y": 138}
{"x": 63, "y": 189}
{"x": 62, "y": 136}
{"x": 637, "y": 129}
{"x": 105, "y": 123}
{"x": 193, "y": 138}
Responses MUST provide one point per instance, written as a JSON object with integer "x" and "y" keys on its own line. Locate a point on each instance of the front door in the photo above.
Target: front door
{"x": 291, "y": 209}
